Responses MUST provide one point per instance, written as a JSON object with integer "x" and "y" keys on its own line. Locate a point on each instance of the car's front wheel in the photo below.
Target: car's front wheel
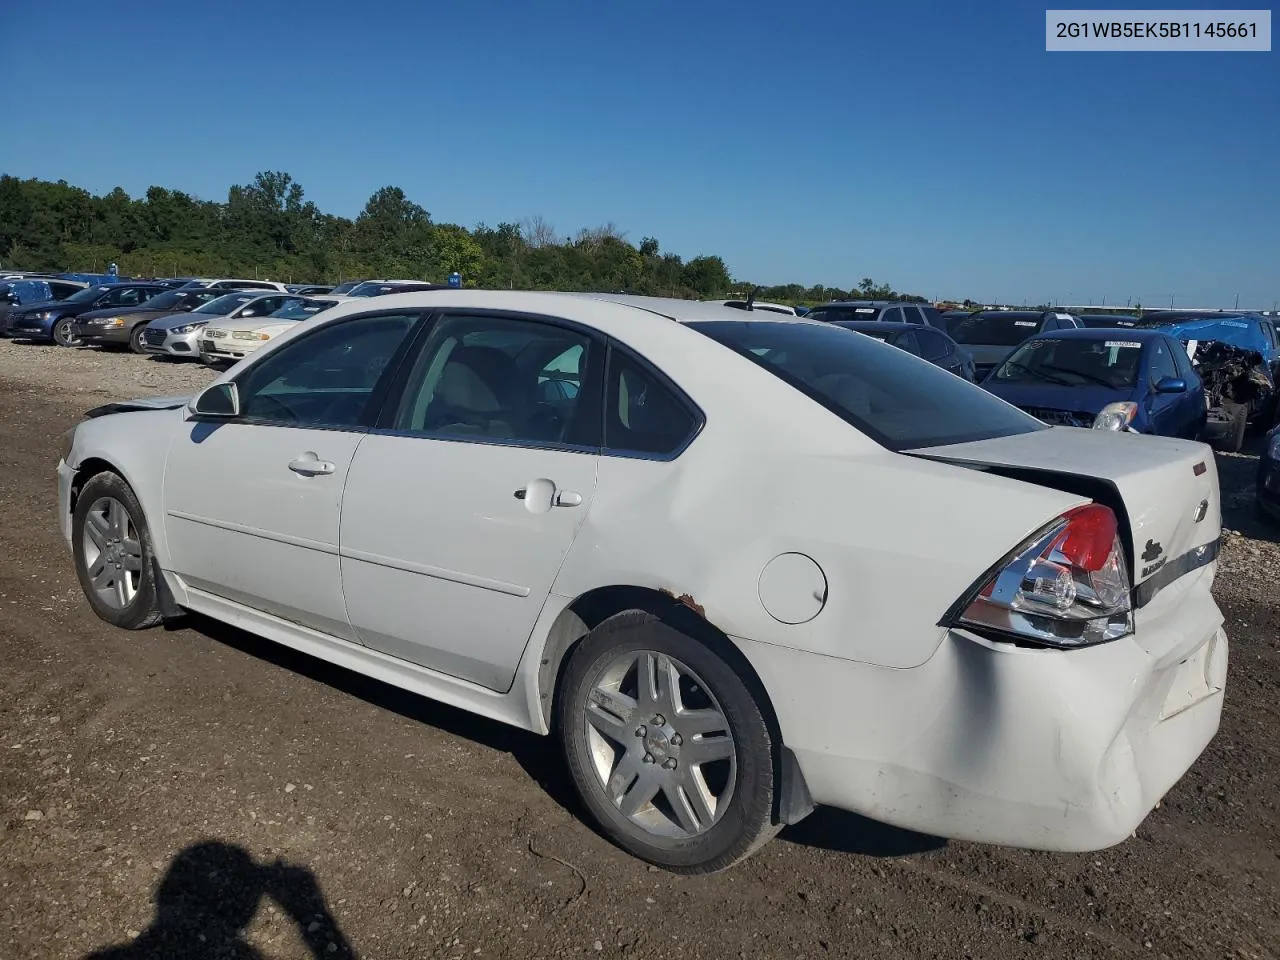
{"x": 135, "y": 338}
{"x": 113, "y": 553}
{"x": 64, "y": 334}
{"x": 667, "y": 746}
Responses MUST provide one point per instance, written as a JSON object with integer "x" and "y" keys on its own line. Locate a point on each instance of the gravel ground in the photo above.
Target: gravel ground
{"x": 160, "y": 791}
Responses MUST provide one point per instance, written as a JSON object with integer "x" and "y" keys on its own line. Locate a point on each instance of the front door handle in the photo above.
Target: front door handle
{"x": 309, "y": 465}
{"x": 567, "y": 498}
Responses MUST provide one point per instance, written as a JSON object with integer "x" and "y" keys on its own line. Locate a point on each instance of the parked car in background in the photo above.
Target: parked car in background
{"x": 16, "y": 292}
{"x": 231, "y": 340}
{"x": 54, "y": 319}
{"x": 1239, "y": 358}
{"x": 929, "y": 343}
{"x": 175, "y": 283}
{"x": 122, "y": 326}
{"x": 179, "y": 335}
{"x": 991, "y": 335}
{"x": 308, "y": 290}
{"x": 1139, "y": 381}
{"x": 346, "y": 287}
{"x": 390, "y": 488}
{"x": 225, "y": 284}
{"x": 1107, "y": 320}
{"x": 885, "y": 311}
{"x": 378, "y": 288}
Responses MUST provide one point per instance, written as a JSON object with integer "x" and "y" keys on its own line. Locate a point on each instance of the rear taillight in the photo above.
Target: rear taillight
{"x": 1067, "y": 586}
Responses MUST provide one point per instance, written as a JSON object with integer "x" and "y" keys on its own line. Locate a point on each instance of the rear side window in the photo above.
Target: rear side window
{"x": 933, "y": 345}
{"x": 643, "y": 415}
{"x": 883, "y": 393}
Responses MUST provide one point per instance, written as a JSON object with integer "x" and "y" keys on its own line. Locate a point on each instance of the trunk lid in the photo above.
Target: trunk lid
{"x": 1166, "y": 489}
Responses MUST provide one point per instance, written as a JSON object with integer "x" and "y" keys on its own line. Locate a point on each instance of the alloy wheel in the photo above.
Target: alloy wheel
{"x": 112, "y": 553}
{"x": 660, "y": 745}
{"x": 62, "y": 334}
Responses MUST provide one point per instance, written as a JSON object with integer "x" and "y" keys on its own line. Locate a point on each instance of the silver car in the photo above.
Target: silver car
{"x": 179, "y": 335}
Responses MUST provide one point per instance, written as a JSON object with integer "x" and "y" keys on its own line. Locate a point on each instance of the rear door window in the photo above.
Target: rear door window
{"x": 644, "y": 415}
{"x": 933, "y": 345}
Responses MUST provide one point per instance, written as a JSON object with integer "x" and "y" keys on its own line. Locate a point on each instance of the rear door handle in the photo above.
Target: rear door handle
{"x": 309, "y": 465}
{"x": 567, "y": 498}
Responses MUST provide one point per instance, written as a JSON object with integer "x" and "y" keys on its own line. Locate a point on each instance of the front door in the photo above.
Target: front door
{"x": 252, "y": 503}
{"x": 458, "y": 516}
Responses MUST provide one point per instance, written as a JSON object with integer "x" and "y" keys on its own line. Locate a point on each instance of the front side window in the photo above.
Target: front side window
{"x": 325, "y": 379}
{"x": 643, "y": 415}
{"x": 502, "y": 379}
{"x": 1162, "y": 362}
{"x": 883, "y": 393}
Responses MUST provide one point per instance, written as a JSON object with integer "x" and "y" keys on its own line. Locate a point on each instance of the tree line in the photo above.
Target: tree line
{"x": 268, "y": 228}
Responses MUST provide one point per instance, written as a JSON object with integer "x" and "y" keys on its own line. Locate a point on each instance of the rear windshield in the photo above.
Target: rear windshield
{"x": 994, "y": 331}
{"x": 1104, "y": 362}
{"x": 889, "y": 395}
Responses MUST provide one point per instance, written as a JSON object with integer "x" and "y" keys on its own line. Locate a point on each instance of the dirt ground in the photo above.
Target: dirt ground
{"x": 159, "y": 791}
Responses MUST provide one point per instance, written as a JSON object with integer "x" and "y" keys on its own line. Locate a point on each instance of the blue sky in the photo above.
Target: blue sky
{"x": 933, "y": 146}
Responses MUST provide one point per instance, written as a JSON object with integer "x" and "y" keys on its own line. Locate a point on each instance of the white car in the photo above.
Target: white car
{"x": 224, "y": 283}
{"x": 232, "y": 339}
{"x": 181, "y": 334}
{"x": 738, "y": 563}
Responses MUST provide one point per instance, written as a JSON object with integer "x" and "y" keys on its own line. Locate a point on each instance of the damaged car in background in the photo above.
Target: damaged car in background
{"x": 531, "y": 506}
{"x": 1237, "y": 358}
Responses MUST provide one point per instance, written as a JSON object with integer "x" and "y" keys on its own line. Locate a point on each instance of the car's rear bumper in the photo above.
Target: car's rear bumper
{"x": 1052, "y": 750}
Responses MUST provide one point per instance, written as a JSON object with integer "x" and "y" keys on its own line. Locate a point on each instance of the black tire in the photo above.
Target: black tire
{"x": 1234, "y": 438}
{"x": 135, "y": 338}
{"x": 142, "y": 609}
{"x": 62, "y": 334}
{"x": 746, "y": 822}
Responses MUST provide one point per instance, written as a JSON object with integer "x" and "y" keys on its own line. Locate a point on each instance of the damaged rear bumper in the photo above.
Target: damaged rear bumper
{"x": 1051, "y": 750}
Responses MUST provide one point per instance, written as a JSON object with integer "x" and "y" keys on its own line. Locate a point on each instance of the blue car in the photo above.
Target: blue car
{"x": 1118, "y": 379}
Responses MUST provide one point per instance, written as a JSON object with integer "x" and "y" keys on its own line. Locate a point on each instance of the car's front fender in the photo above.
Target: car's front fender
{"x": 133, "y": 444}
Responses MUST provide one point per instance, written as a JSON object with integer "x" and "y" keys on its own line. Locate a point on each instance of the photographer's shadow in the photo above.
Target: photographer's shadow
{"x": 210, "y": 894}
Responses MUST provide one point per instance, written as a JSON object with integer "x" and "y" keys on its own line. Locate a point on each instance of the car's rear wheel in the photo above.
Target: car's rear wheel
{"x": 668, "y": 747}
{"x": 113, "y": 553}
{"x": 63, "y": 335}
{"x": 135, "y": 338}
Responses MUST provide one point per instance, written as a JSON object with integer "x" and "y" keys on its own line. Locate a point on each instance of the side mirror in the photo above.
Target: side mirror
{"x": 219, "y": 400}
{"x": 1171, "y": 385}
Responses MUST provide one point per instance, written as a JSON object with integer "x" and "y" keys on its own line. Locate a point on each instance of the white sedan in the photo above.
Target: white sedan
{"x": 738, "y": 563}
{"x": 233, "y": 339}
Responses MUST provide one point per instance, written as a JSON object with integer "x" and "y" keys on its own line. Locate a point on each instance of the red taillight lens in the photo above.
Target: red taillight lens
{"x": 1067, "y": 586}
{"x": 1090, "y": 534}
